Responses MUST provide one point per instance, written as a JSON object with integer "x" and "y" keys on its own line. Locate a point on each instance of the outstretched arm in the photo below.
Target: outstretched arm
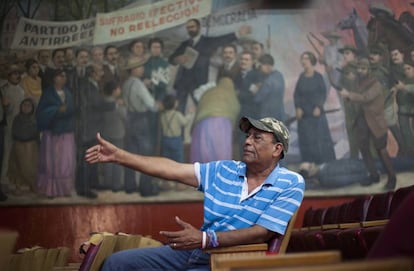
{"x": 159, "y": 167}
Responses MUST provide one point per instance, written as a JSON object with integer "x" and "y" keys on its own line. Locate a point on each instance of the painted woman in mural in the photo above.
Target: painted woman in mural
{"x": 213, "y": 125}
{"x": 57, "y": 148}
{"x": 315, "y": 142}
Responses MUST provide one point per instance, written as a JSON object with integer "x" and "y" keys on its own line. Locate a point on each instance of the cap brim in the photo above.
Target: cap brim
{"x": 246, "y": 123}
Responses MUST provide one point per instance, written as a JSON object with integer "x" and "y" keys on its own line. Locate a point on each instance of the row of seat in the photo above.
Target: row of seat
{"x": 351, "y": 227}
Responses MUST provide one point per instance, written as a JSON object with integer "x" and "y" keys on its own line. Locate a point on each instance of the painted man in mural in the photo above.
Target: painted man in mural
{"x": 371, "y": 123}
{"x": 190, "y": 77}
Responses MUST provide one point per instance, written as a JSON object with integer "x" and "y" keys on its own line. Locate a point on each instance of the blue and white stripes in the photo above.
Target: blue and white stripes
{"x": 271, "y": 206}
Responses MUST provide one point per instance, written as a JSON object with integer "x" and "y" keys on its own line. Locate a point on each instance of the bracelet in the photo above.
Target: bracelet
{"x": 204, "y": 242}
{"x": 212, "y": 236}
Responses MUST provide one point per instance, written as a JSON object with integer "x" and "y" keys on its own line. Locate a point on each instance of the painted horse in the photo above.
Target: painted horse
{"x": 359, "y": 29}
{"x": 385, "y": 29}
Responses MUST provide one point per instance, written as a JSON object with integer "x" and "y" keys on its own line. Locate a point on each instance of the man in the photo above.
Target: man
{"x": 371, "y": 123}
{"x": 140, "y": 104}
{"x": 397, "y": 65}
{"x": 270, "y": 95}
{"x": 12, "y": 94}
{"x": 189, "y": 78}
{"x": 258, "y": 51}
{"x": 230, "y": 67}
{"x": 43, "y": 58}
{"x": 97, "y": 55}
{"x": 246, "y": 202}
{"x": 69, "y": 58}
{"x": 78, "y": 71}
{"x": 156, "y": 74}
{"x": 111, "y": 68}
{"x": 349, "y": 53}
{"x": 379, "y": 70}
{"x": 58, "y": 62}
{"x": 246, "y": 83}
{"x": 405, "y": 101}
{"x": 89, "y": 121}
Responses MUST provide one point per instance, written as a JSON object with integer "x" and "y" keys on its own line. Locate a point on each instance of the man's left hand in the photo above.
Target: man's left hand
{"x": 187, "y": 238}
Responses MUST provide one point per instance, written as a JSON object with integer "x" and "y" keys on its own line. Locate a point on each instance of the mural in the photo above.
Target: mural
{"x": 150, "y": 79}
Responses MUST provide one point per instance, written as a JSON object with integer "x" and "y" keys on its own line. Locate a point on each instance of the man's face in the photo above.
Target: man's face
{"x": 44, "y": 57}
{"x": 266, "y": 68}
{"x": 259, "y": 147}
{"x": 375, "y": 58}
{"x": 112, "y": 56}
{"x": 82, "y": 59}
{"x": 229, "y": 54}
{"x": 348, "y": 56}
{"x": 97, "y": 55}
{"x": 362, "y": 71}
{"x": 69, "y": 55}
{"x": 60, "y": 80}
{"x": 138, "y": 71}
{"x": 156, "y": 49}
{"x": 59, "y": 59}
{"x": 246, "y": 62}
{"x": 98, "y": 72}
{"x": 409, "y": 71}
{"x": 257, "y": 50}
{"x": 192, "y": 29}
{"x": 397, "y": 57}
{"x": 351, "y": 76}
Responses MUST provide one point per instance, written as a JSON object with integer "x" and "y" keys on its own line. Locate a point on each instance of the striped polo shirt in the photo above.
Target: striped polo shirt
{"x": 227, "y": 206}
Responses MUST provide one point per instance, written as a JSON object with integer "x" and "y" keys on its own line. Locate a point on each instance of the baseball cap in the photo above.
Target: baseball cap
{"x": 270, "y": 125}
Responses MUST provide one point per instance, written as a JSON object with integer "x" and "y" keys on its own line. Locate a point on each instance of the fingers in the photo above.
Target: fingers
{"x": 92, "y": 154}
{"x": 182, "y": 223}
{"x": 171, "y": 234}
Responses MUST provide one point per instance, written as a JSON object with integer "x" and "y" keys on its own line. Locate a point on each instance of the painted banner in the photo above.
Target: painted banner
{"x": 36, "y": 34}
{"x": 143, "y": 20}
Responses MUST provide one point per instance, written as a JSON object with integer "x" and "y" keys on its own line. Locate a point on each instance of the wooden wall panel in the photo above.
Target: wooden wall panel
{"x": 70, "y": 225}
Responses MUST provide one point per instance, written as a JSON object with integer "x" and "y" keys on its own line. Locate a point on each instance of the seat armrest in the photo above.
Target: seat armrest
{"x": 239, "y": 248}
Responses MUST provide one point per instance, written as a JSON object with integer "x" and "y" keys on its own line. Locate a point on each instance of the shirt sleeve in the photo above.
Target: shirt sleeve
{"x": 197, "y": 173}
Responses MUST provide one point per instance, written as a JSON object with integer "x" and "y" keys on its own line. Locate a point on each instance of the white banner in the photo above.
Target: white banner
{"x": 35, "y": 34}
{"x": 147, "y": 19}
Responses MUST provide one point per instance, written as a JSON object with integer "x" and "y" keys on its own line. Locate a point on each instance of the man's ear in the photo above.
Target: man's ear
{"x": 277, "y": 149}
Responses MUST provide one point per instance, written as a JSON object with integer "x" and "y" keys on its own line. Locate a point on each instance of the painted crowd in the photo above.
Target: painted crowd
{"x": 54, "y": 102}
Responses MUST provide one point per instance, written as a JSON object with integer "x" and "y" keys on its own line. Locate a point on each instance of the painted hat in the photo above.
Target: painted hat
{"x": 380, "y": 7}
{"x": 348, "y": 47}
{"x": 134, "y": 62}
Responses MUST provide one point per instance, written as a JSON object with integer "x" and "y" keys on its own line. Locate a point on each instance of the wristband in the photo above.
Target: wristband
{"x": 212, "y": 236}
{"x": 204, "y": 242}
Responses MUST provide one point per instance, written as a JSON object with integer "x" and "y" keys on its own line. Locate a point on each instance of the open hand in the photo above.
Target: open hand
{"x": 102, "y": 152}
{"x": 187, "y": 238}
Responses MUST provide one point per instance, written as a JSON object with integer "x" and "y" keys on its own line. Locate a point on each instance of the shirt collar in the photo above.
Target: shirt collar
{"x": 196, "y": 39}
{"x": 271, "y": 179}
